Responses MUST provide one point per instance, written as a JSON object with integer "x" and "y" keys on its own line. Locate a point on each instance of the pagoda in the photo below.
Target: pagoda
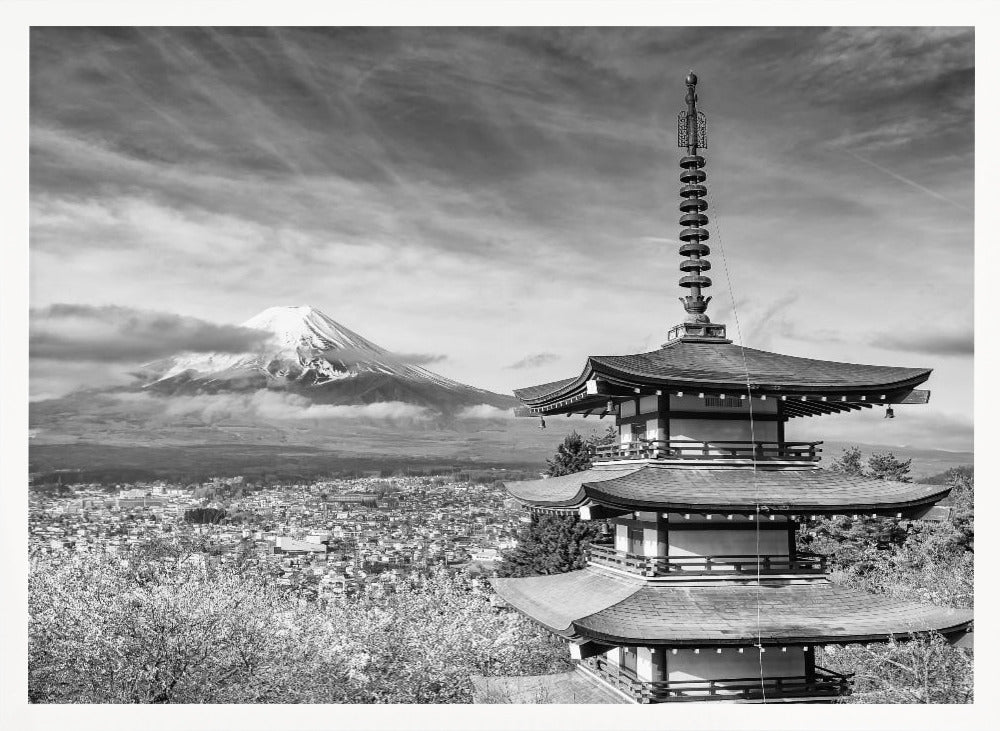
{"x": 701, "y": 595}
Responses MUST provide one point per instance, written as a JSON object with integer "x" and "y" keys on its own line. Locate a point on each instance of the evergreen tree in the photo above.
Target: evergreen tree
{"x": 849, "y": 462}
{"x": 555, "y": 544}
{"x": 550, "y": 544}
{"x": 573, "y": 455}
{"x": 885, "y": 466}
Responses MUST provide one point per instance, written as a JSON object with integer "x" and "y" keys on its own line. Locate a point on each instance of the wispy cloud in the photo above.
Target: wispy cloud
{"x": 912, "y": 183}
{"x": 445, "y": 187}
{"x": 534, "y": 361}
{"x": 934, "y": 342}
{"x": 70, "y": 332}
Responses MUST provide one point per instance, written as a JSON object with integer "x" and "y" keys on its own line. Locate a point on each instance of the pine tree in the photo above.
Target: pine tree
{"x": 885, "y": 466}
{"x": 849, "y": 462}
{"x": 573, "y": 455}
{"x": 550, "y": 544}
{"x": 555, "y": 544}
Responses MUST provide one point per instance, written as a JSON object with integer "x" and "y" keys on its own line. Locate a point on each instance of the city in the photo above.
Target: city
{"x": 321, "y": 540}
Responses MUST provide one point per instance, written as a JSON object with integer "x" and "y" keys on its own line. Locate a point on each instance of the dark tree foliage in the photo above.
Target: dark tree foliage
{"x": 885, "y": 466}
{"x": 855, "y": 542}
{"x": 550, "y": 544}
{"x": 573, "y": 455}
{"x": 554, "y": 544}
{"x": 849, "y": 462}
{"x": 204, "y": 515}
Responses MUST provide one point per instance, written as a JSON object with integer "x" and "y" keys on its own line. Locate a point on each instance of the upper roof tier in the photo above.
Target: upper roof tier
{"x": 686, "y": 365}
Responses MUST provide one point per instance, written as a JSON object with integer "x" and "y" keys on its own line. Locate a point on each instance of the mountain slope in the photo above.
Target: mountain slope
{"x": 310, "y": 354}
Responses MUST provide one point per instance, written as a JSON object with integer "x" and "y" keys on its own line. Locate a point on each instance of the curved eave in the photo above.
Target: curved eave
{"x": 599, "y": 606}
{"x": 853, "y": 379}
{"x": 815, "y": 613}
{"x": 735, "y": 490}
{"x": 762, "y": 384}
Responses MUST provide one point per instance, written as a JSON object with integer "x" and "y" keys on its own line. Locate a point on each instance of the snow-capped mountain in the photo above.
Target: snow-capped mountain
{"x": 311, "y": 354}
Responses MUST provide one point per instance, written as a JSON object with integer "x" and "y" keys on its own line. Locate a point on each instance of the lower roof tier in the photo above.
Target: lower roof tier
{"x": 733, "y": 489}
{"x": 603, "y": 607}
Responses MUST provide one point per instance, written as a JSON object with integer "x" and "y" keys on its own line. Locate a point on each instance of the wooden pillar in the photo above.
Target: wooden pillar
{"x": 810, "y": 653}
{"x": 781, "y": 421}
{"x": 659, "y": 668}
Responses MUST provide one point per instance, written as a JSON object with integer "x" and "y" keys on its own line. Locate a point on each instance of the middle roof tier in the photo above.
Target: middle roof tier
{"x": 736, "y": 489}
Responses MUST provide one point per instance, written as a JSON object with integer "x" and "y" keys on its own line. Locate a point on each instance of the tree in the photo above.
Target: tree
{"x": 555, "y": 544}
{"x": 550, "y": 544}
{"x": 204, "y": 515}
{"x": 573, "y": 455}
{"x": 855, "y": 542}
{"x": 885, "y": 466}
{"x": 922, "y": 669}
{"x": 103, "y": 632}
{"x": 849, "y": 462}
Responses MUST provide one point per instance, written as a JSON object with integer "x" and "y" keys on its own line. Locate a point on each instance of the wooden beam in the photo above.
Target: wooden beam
{"x": 916, "y": 396}
{"x": 588, "y": 648}
{"x": 600, "y": 512}
{"x": 598, "y": 387}
{"x": 933, "y": 514}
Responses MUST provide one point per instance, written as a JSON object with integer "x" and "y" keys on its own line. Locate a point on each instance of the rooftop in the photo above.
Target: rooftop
{"x": 782, "y": 491}
{"x": 610, "y": 608}
{"x": 689, "y": 366}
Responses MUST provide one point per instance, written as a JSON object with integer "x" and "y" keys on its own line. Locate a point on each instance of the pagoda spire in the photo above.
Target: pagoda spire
{"x": 691, "y": 134}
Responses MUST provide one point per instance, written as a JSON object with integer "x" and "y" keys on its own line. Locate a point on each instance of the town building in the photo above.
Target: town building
{"x": 701, "y": 595}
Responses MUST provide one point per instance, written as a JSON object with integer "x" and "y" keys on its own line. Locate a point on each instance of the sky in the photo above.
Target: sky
{"x": 504, "y": 201}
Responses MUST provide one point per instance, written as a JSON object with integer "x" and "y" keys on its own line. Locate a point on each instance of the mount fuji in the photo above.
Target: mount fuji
{"x": 310, "y": 354}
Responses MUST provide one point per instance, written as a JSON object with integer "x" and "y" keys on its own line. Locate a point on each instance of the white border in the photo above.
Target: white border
{"x": 15, "y": 18}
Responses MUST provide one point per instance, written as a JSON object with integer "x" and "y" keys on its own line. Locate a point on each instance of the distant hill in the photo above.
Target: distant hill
{"x": 927, "y": 463}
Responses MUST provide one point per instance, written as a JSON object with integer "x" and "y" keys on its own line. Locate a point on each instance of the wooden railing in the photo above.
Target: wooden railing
{"x": 689, "y": 449}
{"x": 604, "y": 554}
{"x": 821, "y": 683}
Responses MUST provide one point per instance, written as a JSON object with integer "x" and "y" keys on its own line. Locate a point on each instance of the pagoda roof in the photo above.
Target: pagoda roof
{"x": 732, "y": 489}
{"x": 723, "y": 366}
{"x": 600, "y": 606}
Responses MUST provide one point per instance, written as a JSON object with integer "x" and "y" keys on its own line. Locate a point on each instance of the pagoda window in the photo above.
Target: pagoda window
{"x": 635, "y": 540}
{"x": 726, "y": 402}
{"x": 629, "y": 659}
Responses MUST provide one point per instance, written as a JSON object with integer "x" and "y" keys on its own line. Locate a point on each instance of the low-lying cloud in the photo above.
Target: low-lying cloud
{"x": 114, "y": 334}
{"x": 273, "y": 406}
{"x": 534, "y": 361}
{"x": 485, "y": 411}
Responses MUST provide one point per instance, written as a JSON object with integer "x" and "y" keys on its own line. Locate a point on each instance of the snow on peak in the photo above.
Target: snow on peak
{"x": 309, "y": 340}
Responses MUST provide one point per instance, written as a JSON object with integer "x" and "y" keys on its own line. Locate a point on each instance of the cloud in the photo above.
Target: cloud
{"x": 516, "y": 186}
{"x": 940, "y": 342}
{"x": 272, "y": 406}
{"x": 533, "y": 361}
{"x": 912, "y": 427}
{"x": 420, "y": 359}
{"x": 350, "y": 356}
{"x": 485, "y": 411}
{"x": 113, "y": 334}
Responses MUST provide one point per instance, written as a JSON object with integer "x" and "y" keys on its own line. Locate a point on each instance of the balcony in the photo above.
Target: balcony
{"x": 714, "y": 451}
{"x": 604, "y": 554}
{"x": 821, "y": 684}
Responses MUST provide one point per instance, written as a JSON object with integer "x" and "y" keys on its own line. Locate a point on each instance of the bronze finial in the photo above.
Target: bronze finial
{"x": 691, "y": 134}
